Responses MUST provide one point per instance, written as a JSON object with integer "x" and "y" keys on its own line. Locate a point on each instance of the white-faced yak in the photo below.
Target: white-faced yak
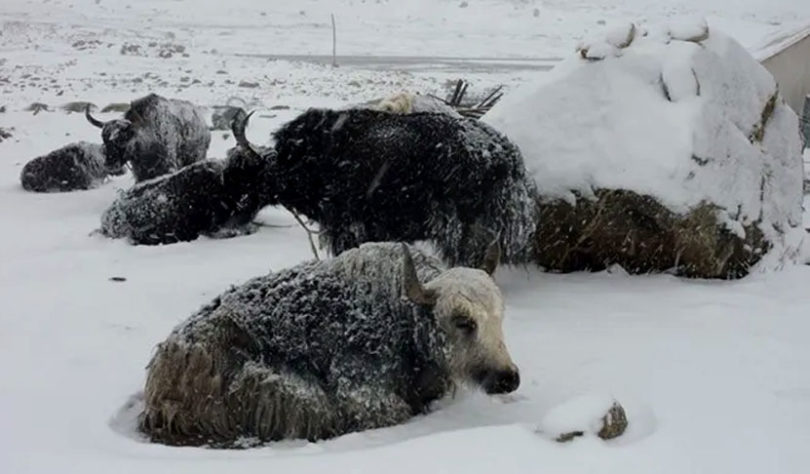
{"x": 365, "y": 340}
{"x": 76, "y": 166}
{"x": 366, "y": 175}
{"x": 157, "y": 136}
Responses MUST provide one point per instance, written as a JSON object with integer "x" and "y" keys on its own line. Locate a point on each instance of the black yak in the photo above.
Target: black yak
{"x": 172, "y": 208}
{"x": 157, "y": 136}
{"x": 76, "y": 166}
{"x": 366, "y": 175}
{"x": 365, "y": 340}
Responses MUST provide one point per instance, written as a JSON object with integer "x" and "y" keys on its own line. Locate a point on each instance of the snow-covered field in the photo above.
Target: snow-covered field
{"x": 713, "y": 375}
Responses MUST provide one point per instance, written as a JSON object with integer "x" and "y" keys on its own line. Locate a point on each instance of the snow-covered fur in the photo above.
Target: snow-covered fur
{"x": 368, "y": 175}
{"x": 407, "y": 103}
{"x": 171, "y": 208}
{"x": 157, "y": 136}
{"x": 326, "y": 348}
{"x": 76, "y": 166}
{"x": 247, "y": 182}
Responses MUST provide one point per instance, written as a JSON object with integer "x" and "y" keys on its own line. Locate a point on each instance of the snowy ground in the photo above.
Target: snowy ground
{"x": 713, "y": 374}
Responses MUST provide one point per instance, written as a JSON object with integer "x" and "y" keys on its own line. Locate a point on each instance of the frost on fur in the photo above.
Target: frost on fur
{"x": 76, "y": 166}
{"x": 368, "y": 175}
{"x": 156, "y": 136}
{"x": 327, "y": 348}
{"x": 172, "y": 208}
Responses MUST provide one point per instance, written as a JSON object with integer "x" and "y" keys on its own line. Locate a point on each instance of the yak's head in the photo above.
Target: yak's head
{"x": 117, "y": 136}
{"x": 468, "y": 306}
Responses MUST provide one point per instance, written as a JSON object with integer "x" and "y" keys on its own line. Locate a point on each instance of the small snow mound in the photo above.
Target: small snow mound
{"x": 694, "y": 30}
{"x": 125, "y": 420}
{"x": 583, "y": 413}
{"x": 609, "y": 43}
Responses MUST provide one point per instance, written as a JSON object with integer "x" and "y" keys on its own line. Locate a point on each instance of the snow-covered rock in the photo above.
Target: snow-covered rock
{"x": 676, "y": 153}
{"x": 597, "y": 415}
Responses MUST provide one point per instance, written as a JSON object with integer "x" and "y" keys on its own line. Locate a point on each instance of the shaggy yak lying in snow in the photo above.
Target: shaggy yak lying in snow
{"x": 201, "y": 199}
{"x": 367, "y": 175}
{"x": 327, "y": 348}
{"x": 205, "y": 198}
{"x": 156, "y": 136}
{"x": 76, "y": 166}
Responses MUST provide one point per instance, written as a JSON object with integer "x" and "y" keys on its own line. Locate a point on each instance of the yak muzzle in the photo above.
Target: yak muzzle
{"x": 499, "y": 381}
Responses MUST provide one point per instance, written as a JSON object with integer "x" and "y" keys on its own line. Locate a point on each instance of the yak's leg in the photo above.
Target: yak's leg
{"x": 369, "y": 407}
{"x": 192, "y": 399}
{"x": 277, "y": 404}
{"x": 343, "y": 237}
{"x": 363, "y": 402}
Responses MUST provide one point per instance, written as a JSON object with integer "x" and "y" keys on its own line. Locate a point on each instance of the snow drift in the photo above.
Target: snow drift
{"x": 660, "y": 151}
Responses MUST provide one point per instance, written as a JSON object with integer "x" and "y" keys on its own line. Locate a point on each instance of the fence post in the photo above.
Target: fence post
{"x": 804, "y": 120}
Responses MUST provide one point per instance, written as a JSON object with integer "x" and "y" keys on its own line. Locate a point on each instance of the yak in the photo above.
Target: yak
{"x": 364, "y": 340}
{"x": 368, "y": 175}
{"x": 172, "y": 208}
{"x": 157, "y": 136}
{"x": 79, "y": 165}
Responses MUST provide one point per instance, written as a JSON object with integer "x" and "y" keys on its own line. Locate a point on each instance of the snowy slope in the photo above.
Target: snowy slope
{"x": 713, "y": 374}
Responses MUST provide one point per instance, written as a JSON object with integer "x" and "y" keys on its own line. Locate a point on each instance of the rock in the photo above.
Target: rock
{"x": 223, "y": 115}
{"x": 78, "y": 106}
{"x": 594, "y": 415}
{"x": 671, "y": 156}
{"x": 37, "y": 107}
{"x": 5, "y": 134}
{"x": 116, "y": 107}
{"x": 613, "y": 423}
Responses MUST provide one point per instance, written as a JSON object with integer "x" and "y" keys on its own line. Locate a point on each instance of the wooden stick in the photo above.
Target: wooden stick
{"x": 334, "y": 42}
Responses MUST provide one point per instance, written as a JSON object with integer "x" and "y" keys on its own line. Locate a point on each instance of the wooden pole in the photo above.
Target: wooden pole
{"x": 334, "y": 42}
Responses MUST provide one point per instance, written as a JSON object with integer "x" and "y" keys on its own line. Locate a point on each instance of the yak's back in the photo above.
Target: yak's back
{"x": 308, "y": 316}
{"x": 380, "y": 159}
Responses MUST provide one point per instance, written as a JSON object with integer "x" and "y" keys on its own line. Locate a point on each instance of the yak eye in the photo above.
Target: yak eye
{"x": 465, "y": 324}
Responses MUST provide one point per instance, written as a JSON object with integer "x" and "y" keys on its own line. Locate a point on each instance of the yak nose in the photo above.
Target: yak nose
{"x": 504, "y": 381}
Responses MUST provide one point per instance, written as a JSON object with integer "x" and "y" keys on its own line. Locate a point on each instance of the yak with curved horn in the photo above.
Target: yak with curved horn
{"x": 366, "y": 176}
{"x": 156, "y": 136}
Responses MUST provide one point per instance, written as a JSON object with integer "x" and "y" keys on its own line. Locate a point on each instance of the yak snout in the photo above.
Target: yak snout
{"x": 499, "y": 381}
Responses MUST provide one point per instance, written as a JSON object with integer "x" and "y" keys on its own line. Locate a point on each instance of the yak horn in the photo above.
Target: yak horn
{"x": 238, "y": 126}
{"x": 91, "y": 119}
{"x": 492, "y": 257}
{"x": 413, "y": 289}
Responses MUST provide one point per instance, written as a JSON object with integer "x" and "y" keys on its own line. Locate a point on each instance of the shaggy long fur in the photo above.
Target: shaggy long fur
{"x": 171, "y": 208}
{"x": 247, "y": 182}
{"x": 368, "y": 175}
{"x": 75, "y": 166}
{"x": 318, "y": 350}
{"x": 157, "y": 136}
{"x": 206, "y": 198}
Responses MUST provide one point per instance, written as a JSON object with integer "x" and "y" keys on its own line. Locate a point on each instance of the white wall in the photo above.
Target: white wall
{"x": 791, "y": 68}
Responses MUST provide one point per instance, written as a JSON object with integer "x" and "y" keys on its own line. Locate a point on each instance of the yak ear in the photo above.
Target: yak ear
{"x": 411, "y": 286}
{"x": 492, "y": 257}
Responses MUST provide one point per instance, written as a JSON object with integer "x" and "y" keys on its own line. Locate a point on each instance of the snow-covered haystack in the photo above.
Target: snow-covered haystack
{"x": 660, "y": 151}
